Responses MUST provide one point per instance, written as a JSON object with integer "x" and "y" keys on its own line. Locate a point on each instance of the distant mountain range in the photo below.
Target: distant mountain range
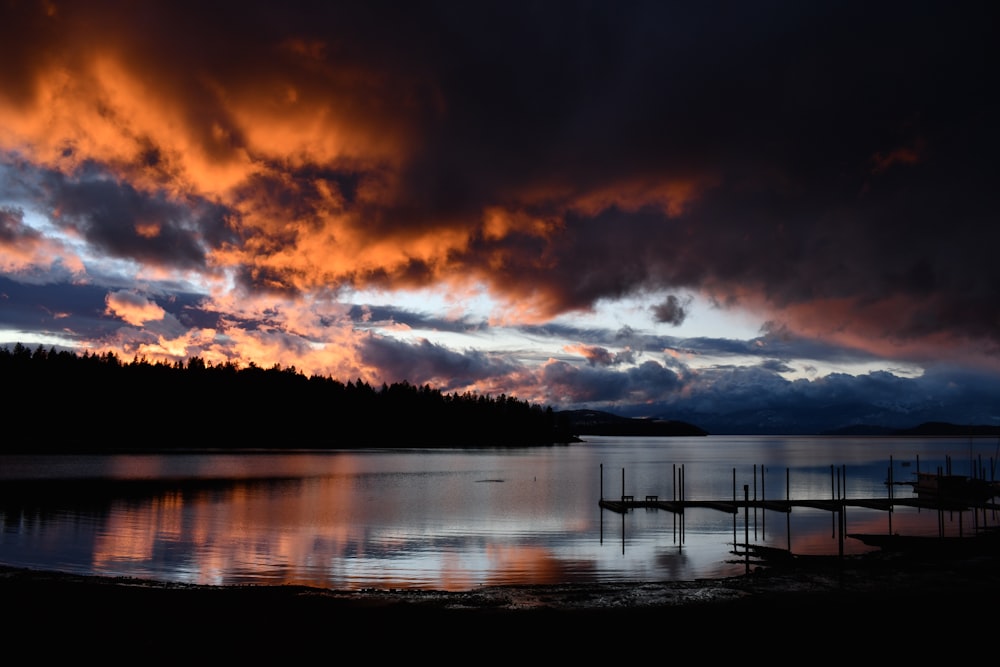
{"x": 925, "y": 429}
{"x": 597, "y": 422}
{"x": 847, "y": 417}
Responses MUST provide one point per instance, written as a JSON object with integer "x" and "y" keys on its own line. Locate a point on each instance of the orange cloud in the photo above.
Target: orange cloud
{"x": 882, "y": 161}
{"x": 671, "y": 195}
{"x": 133, "y": 308}
{"x": 25, "y": 253}
{"x": 262, "y": 139}
{"x": 268, "y": 139}
{"x": 108, "y": 95}
{"x": 498, "y": 223}
{"x": 149, "y": 230}
{"x": 594, "y": 354}
{"x": 309, "y": 334}
{"x": 23, "y": 248}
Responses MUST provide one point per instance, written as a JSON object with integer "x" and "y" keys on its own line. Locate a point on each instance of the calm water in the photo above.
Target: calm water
{"x": 456, "y": 520}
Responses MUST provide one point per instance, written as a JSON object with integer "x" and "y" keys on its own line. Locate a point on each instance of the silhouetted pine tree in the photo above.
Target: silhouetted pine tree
{"x": 97, "y": 402}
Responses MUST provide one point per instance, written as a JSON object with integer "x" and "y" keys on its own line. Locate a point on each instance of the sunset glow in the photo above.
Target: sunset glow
{"x": 648, "y": 209}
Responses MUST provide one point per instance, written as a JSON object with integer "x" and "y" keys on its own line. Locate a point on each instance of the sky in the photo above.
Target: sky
{"x": 773, "y": 215}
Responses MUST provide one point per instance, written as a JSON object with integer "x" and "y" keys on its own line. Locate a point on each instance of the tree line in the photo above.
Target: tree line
{"x": 69, "y": 402}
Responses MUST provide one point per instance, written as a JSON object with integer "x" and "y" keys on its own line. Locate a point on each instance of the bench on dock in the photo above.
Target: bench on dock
{"x": 628, "y": 499}
{"x": 652, "y": 499}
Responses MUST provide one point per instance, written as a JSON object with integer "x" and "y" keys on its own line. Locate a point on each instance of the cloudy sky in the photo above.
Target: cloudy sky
{"x": 779, "y": 209}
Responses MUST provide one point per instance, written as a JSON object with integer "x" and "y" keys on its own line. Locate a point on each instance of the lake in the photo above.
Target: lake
{"x": 458, "y": 519}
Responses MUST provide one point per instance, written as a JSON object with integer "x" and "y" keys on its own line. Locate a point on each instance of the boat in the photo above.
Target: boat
{"x": 954, "y": 488}
{"x": 985, "y": 542}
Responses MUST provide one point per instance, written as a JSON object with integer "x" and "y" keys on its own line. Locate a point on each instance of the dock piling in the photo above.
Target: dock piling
{"x": 746, "y": 526}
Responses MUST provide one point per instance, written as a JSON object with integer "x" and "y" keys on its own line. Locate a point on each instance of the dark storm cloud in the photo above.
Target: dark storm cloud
{"x": 123, "y": 222}
{"x": 13, "y": 231}
{"x": 671, "y": 311}
{"x": 79, "y": 312}
{"x": 73, "y": 311}
{"x": 424, "y": 362}
{"x": 776, "y": 366}
{"x": 829, "y": 165}
{"x": 374, "y": 315}
{"x": 114, "y": 217}
{"x": 787, "y": 123}
{"x": 573, "y": 385}
{"x": 604, "y": 388}
{"x": 784, "y": 344}
{"x": 773, "y": 343}
{"x": 771, "y": 155}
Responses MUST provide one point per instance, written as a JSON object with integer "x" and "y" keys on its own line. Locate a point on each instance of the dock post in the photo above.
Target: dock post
{"x": 601, "y": 533}
{"x": 746, "y": 526}
{"x": 890, "y": 478}
{"x": 890, "y": 495}
{"x": 763, "y": 499}
{"x": 755, "y": 501}
{"x": 788, "y": 514}
{"x": 843, "y": 466}
{"x": 623, "y": 533}
{"x": 683, "y": 490}
{"x": 735, "y": 514}
{"x": 683, "y": 498}
{"x": 673, "y": 494}
{"x": 843, "y": 506}
{"x": 833, "y": 497}
{"x": 602, "y": 481}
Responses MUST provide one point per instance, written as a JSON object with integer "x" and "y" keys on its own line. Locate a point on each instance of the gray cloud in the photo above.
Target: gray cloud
{"x": 425, "y": 362}
{"x": 671, "y": 311}
{"x": 124, "y": 222}
{"x": 376, "y": 314}
{"x": 13, "y": 231}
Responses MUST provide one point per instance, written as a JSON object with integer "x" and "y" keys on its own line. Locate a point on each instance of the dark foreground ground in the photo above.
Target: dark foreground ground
{"x": 857, "y": 609}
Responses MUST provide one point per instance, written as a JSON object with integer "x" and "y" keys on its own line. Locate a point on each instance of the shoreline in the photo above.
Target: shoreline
{"x": 869, "y": 593}
{"x": 852, "y": 574}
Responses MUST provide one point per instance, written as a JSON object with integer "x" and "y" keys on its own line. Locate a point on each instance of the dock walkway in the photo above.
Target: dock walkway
{"x": 627, "y": 503}
{"x": 838, "y": 504}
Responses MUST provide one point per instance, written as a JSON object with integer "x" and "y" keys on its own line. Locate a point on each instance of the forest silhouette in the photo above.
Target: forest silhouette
{"x": 69, "y": 402}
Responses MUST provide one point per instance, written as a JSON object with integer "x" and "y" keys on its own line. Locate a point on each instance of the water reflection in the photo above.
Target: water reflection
{"x": 443, "y": 520}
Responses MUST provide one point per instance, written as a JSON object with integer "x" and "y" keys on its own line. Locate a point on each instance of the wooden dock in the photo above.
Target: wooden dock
{"x": 838, "y": 504}
{"x": 627, "y": 503}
